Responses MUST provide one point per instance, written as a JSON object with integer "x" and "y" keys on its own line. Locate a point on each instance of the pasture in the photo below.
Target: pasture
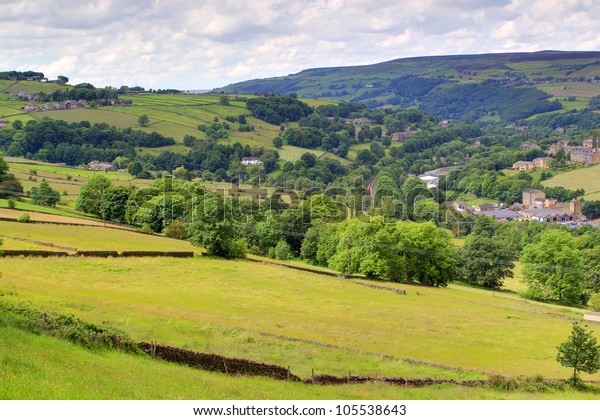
{"x": 587, "y": 178}
{"x": 93, "y": 237}
{"x": 223, "y": 307}
{"x": 31, "y": 363}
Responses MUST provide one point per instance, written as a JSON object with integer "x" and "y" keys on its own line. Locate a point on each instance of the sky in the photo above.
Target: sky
{"x": 203, "y": 44}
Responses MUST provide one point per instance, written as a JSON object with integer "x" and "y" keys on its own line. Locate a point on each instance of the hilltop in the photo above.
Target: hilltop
{"x": 449, "y": 85}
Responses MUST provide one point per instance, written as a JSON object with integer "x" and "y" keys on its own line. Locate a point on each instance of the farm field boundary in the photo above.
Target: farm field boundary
{"x": 97, "y": 254}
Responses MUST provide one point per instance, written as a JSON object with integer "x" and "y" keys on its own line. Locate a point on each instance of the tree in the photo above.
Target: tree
{"x": 64, "y": 79}
{"x": 90, "y": 196}
{"x": 213, "y": 227}
{"x": 224, "y": 100}
{"x": 278, "y": 142}
{"x": 177, "y": 230}
{"x": 591, "y": 209}
{"x": 44, "y": 195}
{"x": 552, "y": 267}
{"x": 143, "y": 120}
{"x": 581, "y": 352}
{"x": 485, "y": 262}
{"x": 182, "y": 173}
{"x": 113, "y": 203}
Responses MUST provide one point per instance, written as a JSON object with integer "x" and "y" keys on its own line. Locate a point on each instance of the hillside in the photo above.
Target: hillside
{"x": 435, "y": 83}
{"x": 206, "y": 304}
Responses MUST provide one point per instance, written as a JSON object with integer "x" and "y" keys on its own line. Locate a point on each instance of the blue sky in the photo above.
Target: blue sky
{"x": 191, "y": 44}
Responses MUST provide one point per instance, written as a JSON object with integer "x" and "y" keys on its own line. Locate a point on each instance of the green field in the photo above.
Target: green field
{"x": 31, "y": 364}
{"x": 219, "y": 306}
{"x": 587, "y": 178}
{"x": 93, "y": 238}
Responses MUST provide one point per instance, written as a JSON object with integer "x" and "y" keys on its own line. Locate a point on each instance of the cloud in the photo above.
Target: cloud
{"x": 210, "y": 43}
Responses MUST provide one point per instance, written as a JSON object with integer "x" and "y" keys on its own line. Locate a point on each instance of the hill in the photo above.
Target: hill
{"x": 434, "y": 83}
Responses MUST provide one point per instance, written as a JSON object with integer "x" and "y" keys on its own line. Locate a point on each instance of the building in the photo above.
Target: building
{"x": 480, "y": 208}
{"x": 96, "y": 165}
{"x": 251, "y": 161}
{"x": 585, "y": 155}
{"x": 3, "y": 124}
{"x": 532, "y": 145}
{"x": 431, "y": 180}
{"x": 592, "y": 316}
{"x": 503, "y": 215}
{"x": 575, "y": 207}
{"x": 548, "y": 215}
{"x": 530, "y": 195}
{"x": 544, "y": 203}
{"x": 541, "y": 162}
{"x": 402, "y": 135}
{"x": 523, "y": 165}
{"x": 30, "y": 108}
{"x": 561, "y": 144}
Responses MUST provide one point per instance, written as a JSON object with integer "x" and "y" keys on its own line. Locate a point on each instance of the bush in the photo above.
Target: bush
{"x": 282, "y": 250}
{"x": 64, "y": 326}
{"x": 177, "y": 230}
{"x": 12, "y": 203}
{"x": 594, "y": 302}
{"x": 24, "y": 218}
{"x": 146, "y": 229}
{"x": 238, "y": 248}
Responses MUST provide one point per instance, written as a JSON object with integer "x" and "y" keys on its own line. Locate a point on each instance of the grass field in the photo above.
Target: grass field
{"x": 220, "y": 306}
{"x": 30, "y": 365}
{"x": 587, "y": 178}
{"x": 93, "y": 237}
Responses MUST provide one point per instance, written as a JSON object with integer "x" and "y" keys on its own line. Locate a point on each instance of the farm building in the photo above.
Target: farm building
{"x": 592, "y": 316}
{"x": 251, "y": 161}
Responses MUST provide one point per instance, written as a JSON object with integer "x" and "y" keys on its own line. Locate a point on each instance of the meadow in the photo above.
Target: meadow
{"x": 222, "y": 307}
{"x": 587, "y": 178}
{"x": 31, "y": 363}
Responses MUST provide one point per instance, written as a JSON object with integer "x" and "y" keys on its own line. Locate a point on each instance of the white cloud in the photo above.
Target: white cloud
{"x": 209, "y": 43}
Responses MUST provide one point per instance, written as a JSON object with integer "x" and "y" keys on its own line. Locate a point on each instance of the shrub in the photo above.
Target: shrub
{"x": 594, "y": 302}
{"x": 68, "y": 327}
{"x": 146, "y": 229}
{"x": 238, "y": 248}
{"x": 24, "y": 218}
{"x": 12, "y": 203}
{"x": 177, "y": 230}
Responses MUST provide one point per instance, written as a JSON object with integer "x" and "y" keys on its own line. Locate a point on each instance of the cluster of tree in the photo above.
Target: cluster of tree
{"x": 75, "y": 143}
{"x": 278, "y": 109}
{"x": 100, "y": 198}
{"x": 85, "y": 91}
{"x": 9, "y": 185}
{"x": 401, "y": 251}
{"x": 584, "y": 120}
{"x": 44, "y": 195}
{"x": 591, "y": 209}
{"x": 471, "y": 101}
{"x": 19, "y": 75}
{"x": 497, "y": 186}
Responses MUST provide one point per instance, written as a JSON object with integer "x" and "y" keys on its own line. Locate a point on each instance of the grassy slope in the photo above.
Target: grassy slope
{"x": 93, "y": 238}
{"x": 30, "y": 365}
{"x": 171, "y": 115}
{"x": 200, "y": 303}
{"x": 587, "y": 178}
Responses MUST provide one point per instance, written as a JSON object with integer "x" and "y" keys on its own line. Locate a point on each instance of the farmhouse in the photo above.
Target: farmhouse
{"x": 96, "y": 165}
{"x": 30, "y": 108}
{"x": 523, "y": 165}
{"x": 542, "y": 162}
{"x": 532, "y": 145}
{"x": 402, "y": 135}
{"x": 251, "y": 161}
